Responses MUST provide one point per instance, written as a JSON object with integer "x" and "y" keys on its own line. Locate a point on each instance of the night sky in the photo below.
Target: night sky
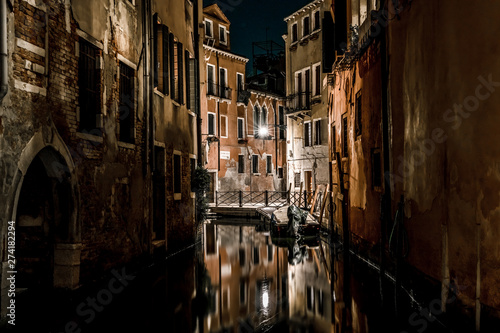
{"x": 250, "y": 18}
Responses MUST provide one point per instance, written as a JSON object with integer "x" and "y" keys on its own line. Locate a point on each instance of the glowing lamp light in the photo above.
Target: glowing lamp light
{"x": 265, "y": 299}
{"x": 263, "y": 131}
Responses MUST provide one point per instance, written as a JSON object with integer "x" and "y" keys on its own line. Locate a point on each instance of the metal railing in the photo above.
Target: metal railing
{"x": 214, "y": 89}
{"x": 299, "y": 101}
{"x": 267, "y": 199}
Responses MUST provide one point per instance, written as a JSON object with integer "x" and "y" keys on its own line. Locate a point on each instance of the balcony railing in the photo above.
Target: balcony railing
{"x": 218, "y": 90}
{"x": 300, "y": 101}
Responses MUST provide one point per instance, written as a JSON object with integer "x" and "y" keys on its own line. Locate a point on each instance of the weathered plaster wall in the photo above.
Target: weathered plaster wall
{"x": 443, "y": 100}
{"x": 108, "y": 199}
{"x": 299, "y": 55}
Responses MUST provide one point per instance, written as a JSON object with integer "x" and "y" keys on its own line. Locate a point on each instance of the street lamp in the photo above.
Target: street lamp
{"x": 263, "y": 131}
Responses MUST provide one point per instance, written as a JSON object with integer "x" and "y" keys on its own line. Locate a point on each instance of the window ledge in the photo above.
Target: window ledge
{"x": 177, "y": 196}
{"x": 158, "y": 243}
{"x": 193, "y": 195}
{"x": 174, "y": 102}
{"x": 256, "y": 174}
{"x": 89, "y": 137}
{"x": 126, "y": 145}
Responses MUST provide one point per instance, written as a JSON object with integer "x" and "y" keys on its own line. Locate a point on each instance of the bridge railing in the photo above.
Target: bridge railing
{"x": 266, "y": 199}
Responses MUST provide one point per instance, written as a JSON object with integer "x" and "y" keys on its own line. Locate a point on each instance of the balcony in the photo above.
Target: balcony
{"x": 299, "y": 104}
{"x": 218, "y": 90}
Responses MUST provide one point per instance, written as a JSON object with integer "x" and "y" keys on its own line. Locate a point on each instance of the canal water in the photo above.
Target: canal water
{"x": 237, "y": 278}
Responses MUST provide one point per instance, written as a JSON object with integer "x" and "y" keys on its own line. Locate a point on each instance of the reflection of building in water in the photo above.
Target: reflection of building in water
{"x": 309, "y": 283}
{"x": 248, "y": 278}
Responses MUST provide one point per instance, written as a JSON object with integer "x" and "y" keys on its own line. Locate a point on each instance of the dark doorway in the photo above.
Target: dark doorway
{"x": 43, "y": 217}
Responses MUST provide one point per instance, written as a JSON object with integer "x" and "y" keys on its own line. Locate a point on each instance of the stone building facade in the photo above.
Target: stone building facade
{"x": 427, "y": 92}
{"x": 79, "y": 164}
{"x": 307, "y": 98}
{"x": 234, "y": 155}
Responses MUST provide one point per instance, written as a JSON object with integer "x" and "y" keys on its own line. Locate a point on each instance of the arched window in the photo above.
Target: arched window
{"x": 256, "y": 120}
{"x": 263, "y": 121}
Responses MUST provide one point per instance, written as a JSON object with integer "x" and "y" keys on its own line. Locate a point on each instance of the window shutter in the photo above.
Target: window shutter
{"x": 172, "y": 64}
{"x": 180, "y": 69}
{"x": 155, "y": 50}
{"x": 165, "y": 60}
{"x": 192, "y": 84}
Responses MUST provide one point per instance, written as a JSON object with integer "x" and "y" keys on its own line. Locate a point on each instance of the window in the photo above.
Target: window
{"x": 297, "y": 180}
{"x": 310, "y": 298}
{"x": 317, "y": 132}
{"x": 281, "y": 120}
{"x": 211, "y": 123}
{"x": 316, "y": 20}
{"x": 161, "y": 53}
{"x": 243, "y": 293}
{"x": 270, "y": 253}
{"x": 222, "y": 35}
{"x": 176, "y": 64}
{"x": 255, "y": 163}
{"x": 305, "y": 26}
{"x": 89, "y": 81}
{"x": 189, "y": 78}
{"x": 321, "y": 302}
{"x": 256, "y": 255}
{"x": 307, "y": 134}
{"x": 224, "y": 90}
{"x": 242, "y": 257}
{"x": 177, "y": 174}
{"x": 241, "y": 128}
{"x": 240, "y": 82}
{"x": 294, "y": 33}
{"x": 317, "y": 79}
{"x": 209, "y": 28}
{"x": 376, "y": 168}
{"x": 269, "y": 164}
{"x": 358, "y": 113}
{"x": 280, "y": 173}
{"x": 303, "y": 88}
{"x": 256, "y": 121}
{"x": 241, "y": 163}
{"x": 126, "y": 121}
{"x": 211, "y": 89}
{"x": 264, "y": 123}
{"x": 223, "y": 126}
{"x": 344, "y": 136}
{"x": 295, "y": 36}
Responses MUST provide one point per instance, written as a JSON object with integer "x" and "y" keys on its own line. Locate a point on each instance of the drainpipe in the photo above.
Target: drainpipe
{"x": 4, "y": 78}
{"x": 218, "y": 112}
{"x": 197, "y": 78}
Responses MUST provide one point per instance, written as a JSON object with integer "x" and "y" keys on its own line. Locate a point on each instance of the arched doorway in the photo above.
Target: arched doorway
{"x": 47, "y": 250}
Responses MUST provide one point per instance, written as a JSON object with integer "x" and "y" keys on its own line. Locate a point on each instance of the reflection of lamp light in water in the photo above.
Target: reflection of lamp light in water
{"x": 263, "y": 131}
{"x": 265, "y": 299}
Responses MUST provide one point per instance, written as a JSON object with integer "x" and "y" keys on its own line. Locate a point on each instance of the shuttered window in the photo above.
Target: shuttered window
{"x": 241, "y": 163}
{"x": 255, "y": 164}
{"x": 307, "y": 134}
{"x": 89, "y": 83}
{"x": 126, "y": 109}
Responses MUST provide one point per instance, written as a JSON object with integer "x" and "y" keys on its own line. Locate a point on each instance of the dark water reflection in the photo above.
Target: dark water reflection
{"x": 240, "y": 279}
